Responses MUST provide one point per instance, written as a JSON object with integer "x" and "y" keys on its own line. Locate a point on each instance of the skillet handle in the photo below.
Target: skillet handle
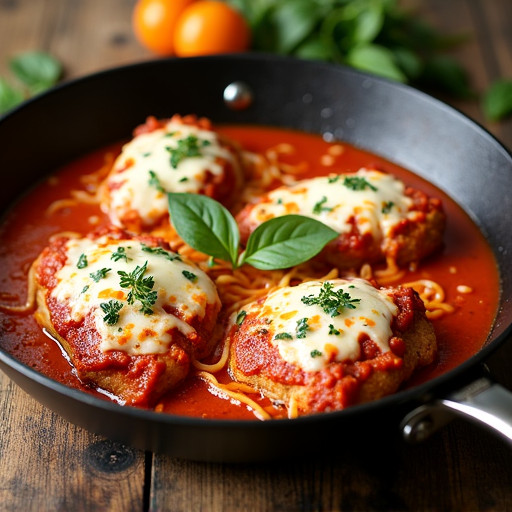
{"x": 482, "y": 401}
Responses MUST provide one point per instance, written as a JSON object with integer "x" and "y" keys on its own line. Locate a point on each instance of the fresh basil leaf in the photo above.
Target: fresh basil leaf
{"x": 375, "y": 59}
{"x": 37, "y": 70}
{"x": 314, "y": 49}
{"x": 259, "y": 15}
{"x": 409, "y": 62}
{"x": 294, "y": 21}
{"x": 9, "y": 96}
{"x": 497, "y": 101}
{"x": 402, "y": 30}
{"x": 205, "y": 225}
{"x": 253, "y": 10}
{"x": 338, "y": 30}
{"x": 368, "y": 19}
{"x": 286, "y": 241}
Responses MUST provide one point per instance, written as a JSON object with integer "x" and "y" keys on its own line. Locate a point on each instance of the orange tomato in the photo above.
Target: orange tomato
{"x": 209, "y": 27}
{"x": 154, "y": 21}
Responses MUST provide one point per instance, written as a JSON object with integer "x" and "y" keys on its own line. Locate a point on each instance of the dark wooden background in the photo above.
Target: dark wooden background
{"x": 49, "y": 464}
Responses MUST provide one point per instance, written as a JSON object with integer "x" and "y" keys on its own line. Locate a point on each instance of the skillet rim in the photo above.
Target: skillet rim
{"x": 402, "y": 397}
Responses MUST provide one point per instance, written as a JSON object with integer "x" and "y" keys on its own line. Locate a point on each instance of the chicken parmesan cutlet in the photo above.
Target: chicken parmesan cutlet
{"x": 377, "y": 217}
{"x": 323, "y": 346}
{"x": 130, "y": 314}
{"x": 181, "y": 154}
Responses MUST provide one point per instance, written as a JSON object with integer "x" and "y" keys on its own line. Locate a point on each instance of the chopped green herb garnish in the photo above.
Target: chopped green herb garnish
{"x": 188, "y": 147}
{"x": 333, "y": 330}
{"x": 120, "y": 254}
{"x": 316, "y": 353}
{"x": 146, "y": 154}
{"x": 240, "y": 317}
{"x": 99, "y": 274}
{"x": 183, "y": 180}
{"x": 82, "y": 261}
{"x": 111, "y": 310}
{"x": 141, "y": 287}
{"x": 279, "y": 201}
{"x": 333, "y": 179}
{"x": 302, "y": 328}
{"x": 358, "y": 183}
{"x": 330, "y": 300}
{"x": 84, "y": 289}
{"x": 155, "y": 182}
{"x": 387, "y": 206}
{"x": 161, "y": 251}
{"x": 319, "y": 207}
{"x": 189, "y": 275}
{"x": 283, "y": 336}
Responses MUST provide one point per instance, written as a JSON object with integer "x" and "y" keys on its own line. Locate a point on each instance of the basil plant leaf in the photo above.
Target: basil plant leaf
{"x": 497, "y": 101}
{"x": 37, "y": 70}
{"x": 409, "y": 62}
{"x": 9, "y": 96}
{"x": 205, "y": 225}
{"x": 314, "y": 49}
{"x": 375, "y": 59}
{"x": 294, "y": 21}
{"x": 286, "y": 241}
{"x": 367, "y": 20}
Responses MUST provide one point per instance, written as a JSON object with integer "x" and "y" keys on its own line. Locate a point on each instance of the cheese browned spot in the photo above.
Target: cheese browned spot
{"x": 174, "y": 156}
{"x": 327, "y": 345}
{"x": 120, "y": 304}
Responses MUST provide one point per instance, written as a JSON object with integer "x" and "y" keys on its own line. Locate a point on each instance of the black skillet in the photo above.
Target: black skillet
{"x": 392, "y": 120}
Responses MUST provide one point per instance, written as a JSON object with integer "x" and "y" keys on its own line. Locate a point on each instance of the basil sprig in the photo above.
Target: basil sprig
{"x": 278, "y": 243}
{"x": 205, "y": 225}
{"x": 35, "y": 72}
{"x": 497, "y": 101}
{"x": 377, "y": 36}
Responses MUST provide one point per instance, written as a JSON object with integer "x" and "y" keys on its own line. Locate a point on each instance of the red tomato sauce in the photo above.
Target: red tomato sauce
{"x": 465, "y": 261}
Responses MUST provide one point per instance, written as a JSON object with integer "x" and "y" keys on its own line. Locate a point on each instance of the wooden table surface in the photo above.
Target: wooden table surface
{"x": 49, "y": 464}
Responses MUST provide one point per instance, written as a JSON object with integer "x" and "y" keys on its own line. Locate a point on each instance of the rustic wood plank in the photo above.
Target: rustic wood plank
{"x": 85, "y": 35}
{"x": 92, "y": 35}
{"x": 47, "y": 463}
{"x": 385, "y": 477}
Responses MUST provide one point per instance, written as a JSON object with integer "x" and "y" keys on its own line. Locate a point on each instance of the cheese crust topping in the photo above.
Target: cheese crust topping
{"x": 318, "y": 322}
{"x": 374, "y": 200}
{"x": 176, "y": 158}
{"x": 136, "y": 294}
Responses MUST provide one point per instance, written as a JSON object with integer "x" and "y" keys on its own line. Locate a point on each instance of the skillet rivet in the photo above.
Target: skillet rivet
{"x": 422, "y": 430}
{"x": 238, "y": 96}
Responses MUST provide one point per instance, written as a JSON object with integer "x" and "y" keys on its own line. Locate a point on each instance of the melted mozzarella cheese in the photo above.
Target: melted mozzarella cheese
{"x": 310, "y": 338}
{"x": 178, "y": 285}
{"x": 376, "y": 208}
{"x": 143, "y": 173}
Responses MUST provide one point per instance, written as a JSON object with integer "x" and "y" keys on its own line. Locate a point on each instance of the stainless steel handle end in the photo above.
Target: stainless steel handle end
{"x": 482, "y": 401}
